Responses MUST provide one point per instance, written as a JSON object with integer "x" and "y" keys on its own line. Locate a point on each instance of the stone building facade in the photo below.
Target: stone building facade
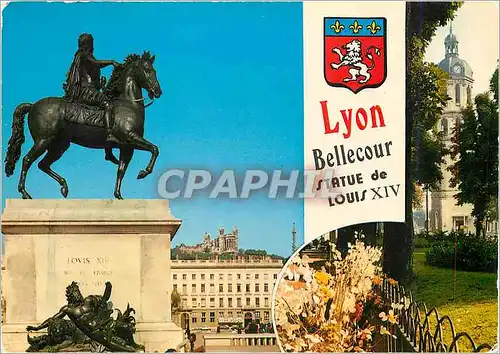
{"x": 444, "y": 213}
{"x": 4, "y": 304}
{"x": 216, "y": 292}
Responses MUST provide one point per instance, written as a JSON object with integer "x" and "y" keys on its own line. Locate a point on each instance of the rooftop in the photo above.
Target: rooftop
{"x": 228, "y": 263}
{"x": 452, "y": 63}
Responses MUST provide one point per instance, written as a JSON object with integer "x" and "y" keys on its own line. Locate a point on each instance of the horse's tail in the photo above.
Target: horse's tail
{"x": 369, "y": 55}
{"x": 17, "y": 138}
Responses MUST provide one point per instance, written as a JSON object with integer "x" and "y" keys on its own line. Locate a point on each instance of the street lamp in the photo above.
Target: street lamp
{"x": 426, "y": 209}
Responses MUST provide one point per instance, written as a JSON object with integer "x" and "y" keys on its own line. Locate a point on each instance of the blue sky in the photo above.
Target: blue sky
{"x": 468, "y": 22}
{"x": 231, "y": 75}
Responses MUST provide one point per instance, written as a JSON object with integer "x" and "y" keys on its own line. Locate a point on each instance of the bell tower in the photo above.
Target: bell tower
{"x": 444, "y": 214}
{"x": 451, "y": 44}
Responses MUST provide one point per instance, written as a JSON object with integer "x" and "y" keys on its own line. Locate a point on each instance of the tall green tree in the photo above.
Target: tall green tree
{"x": 475, "y": 148}
{"x": 175, "y": 299}
{"x": 494, "y": 86}
{"x": 426, "y": 97}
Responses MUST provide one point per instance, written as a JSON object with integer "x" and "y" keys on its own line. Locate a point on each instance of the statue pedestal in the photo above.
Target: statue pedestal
{"x": 50, "y": 243}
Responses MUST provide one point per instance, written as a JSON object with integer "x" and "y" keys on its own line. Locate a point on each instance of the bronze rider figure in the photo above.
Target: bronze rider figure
{"x": 84, "y": 82}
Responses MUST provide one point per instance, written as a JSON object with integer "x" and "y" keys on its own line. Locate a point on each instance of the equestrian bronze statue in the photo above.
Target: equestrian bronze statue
{"x": 92, "y": 114}
{"x": 86, "y": 324}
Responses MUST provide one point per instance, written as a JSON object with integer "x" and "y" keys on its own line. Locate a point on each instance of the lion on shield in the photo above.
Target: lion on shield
{"x": 354, "y": 59}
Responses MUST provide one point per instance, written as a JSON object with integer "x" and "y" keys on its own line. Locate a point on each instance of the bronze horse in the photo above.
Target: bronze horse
{"x": 55, "y": 123}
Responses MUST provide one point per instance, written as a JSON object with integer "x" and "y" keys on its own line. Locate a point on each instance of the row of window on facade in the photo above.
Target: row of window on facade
{"x": 229, "y": 276}
{"x": 222, "y": 303}
{"x": 194, "y": 288}
{"x": 239, "y": 314}
{"x": 458, "y": 91}
{"x": 444, "y": 122}
{"x": 460, "y": 224}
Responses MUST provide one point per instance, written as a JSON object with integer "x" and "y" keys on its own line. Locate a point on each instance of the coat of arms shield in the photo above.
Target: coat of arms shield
{"x": 355, "y": 52}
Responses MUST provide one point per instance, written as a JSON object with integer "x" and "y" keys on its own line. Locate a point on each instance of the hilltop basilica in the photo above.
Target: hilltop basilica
{"x": 225, "y": 242}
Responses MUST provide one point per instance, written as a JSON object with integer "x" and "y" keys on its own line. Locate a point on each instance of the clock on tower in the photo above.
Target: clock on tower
{"x": 457, "y": 69}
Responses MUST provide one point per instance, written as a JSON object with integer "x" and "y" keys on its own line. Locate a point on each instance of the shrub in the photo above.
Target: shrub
{"x": 440, "y": 254}
{"x": 442, "y": 236}
{"x": 420, "y": 240}
{"x": 473, "y": 253}
{"x": 426, "y": 240}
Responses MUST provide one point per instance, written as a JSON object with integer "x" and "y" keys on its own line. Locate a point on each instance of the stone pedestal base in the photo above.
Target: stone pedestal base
{"x": 14, "y": 338}
{"x": 159, "y": 336}
{"x": 50, "y": 243}
{"x": 154, "y": 336}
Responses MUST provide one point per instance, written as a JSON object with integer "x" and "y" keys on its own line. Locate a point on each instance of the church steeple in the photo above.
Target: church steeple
{"x": 451, "y": 43}
{"x": 453, "y": 64}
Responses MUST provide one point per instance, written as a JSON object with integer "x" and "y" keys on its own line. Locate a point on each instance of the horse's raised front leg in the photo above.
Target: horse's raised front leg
{"x": 109, "y": 156}
{"x": 125, "y": 157}
{"x": 142, "y": 144}
{"x": 54, "y": 153}
{"x": 35, "y": 152}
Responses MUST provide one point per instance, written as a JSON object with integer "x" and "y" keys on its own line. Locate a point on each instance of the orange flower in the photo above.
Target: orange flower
{"x": 392, "y": 281}
{"x": 356, "y": 316}
{"x": 377, "y": 280}
{"x": 297, "y": 285}
{"x": 366, "y": 334}
{"x": 321, "y": 277}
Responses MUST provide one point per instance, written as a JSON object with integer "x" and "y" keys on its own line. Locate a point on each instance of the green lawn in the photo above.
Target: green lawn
{"x": 469, "y": 298}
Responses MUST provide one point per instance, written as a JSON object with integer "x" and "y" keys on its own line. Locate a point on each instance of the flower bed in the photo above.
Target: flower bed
{"x": 337, "y": 308}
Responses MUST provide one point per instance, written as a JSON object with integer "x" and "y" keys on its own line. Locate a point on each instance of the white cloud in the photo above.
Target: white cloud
{"x": 477, "y": 29}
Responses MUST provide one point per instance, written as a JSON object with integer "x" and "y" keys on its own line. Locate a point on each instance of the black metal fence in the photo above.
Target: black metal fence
{"x": 423, "y": 330}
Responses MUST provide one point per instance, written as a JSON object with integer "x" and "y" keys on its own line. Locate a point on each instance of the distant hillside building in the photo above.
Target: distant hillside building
{"x": 222, "y": 244}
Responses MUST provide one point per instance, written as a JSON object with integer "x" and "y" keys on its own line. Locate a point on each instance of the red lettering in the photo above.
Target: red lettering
{"x": 347, "y": 122}
{"x": 326, "y": 120}
{"x": 377, "y": 110}
{"x": 377, "y": 119}
{"x": 361, "y": 125}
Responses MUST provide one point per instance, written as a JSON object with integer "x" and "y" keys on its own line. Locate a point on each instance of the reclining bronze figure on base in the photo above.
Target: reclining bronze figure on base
{"x": 86, "y": 324}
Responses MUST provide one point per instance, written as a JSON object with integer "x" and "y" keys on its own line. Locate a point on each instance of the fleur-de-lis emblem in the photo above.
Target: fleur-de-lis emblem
{"x": 373, "y": 27}
{"x": 337, "y": 27}
{"x": 356, "y": 27}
